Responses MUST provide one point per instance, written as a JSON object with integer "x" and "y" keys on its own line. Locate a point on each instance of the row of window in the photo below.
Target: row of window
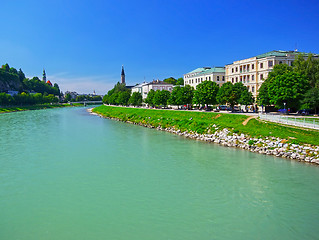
{"x": 246, "y": 78}
{"x": 199, "y": 80}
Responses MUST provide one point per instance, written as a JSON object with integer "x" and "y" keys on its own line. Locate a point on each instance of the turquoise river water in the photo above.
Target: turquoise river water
{"x": 66, "y": 174}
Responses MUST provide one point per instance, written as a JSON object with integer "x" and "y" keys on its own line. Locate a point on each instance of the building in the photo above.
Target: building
{"x": 197, "y": 76}
{"x": 123, "y": 76}
{"x": 144, "y": 88}
{"x": 252, "y": 71}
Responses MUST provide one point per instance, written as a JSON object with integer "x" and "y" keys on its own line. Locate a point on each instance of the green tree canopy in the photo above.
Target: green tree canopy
{"x": 136, "y": 99}
{"x": 287, "y": 88}
{"x": 244, "y": 97}
{"x": 161, "y": 97}
{"x": 206, "y": 93}
{"x": 180, "y": 81}
{"x": 170, "y": 80}
{"x": 181, "y": 95}
{"x": 150, "y": 97}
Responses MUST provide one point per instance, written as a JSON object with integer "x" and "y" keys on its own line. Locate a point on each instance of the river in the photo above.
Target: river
{"x": 66, "y": 174}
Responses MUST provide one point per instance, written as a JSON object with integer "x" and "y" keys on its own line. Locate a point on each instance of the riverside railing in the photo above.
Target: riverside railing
{"x": 306, "y": 122}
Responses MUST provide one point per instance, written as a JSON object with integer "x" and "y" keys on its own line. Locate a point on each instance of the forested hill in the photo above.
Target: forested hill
{"x": 15, "y": 80}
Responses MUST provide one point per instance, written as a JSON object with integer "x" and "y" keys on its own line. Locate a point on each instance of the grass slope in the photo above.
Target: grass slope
{"x": 206, "y": 122}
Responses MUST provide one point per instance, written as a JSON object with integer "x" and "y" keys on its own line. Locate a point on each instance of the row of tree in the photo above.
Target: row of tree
{"x": 207, "y": 93}
{"x": 294, "y": 87}
{"x": 26, "y": 99}
{"x": 80, "y": 98}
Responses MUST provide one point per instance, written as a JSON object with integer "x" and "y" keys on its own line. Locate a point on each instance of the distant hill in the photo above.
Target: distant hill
{"x": 15, "y": 80}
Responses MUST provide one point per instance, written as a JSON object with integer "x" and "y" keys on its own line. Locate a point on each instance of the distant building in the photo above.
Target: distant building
{"x": 44, "y": 78}
{"x": 123, "y": 76}
{"x": 199, "y": 75}
{"x": 144, "y": 88}
{"x": 253, "y": 71}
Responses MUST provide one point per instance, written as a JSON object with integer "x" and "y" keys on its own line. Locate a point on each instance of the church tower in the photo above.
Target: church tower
{"x": 44, "y": 78}
{"x": 123, "y": 76}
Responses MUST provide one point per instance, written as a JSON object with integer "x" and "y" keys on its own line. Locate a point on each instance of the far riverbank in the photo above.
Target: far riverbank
{"x": 37, "y": 107}
{"x": 225, "y": 129}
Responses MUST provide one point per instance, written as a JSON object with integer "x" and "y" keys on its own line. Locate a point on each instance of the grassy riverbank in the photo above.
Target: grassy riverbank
{"x": 208, "y": 122}
{"x": 36, "y": 107}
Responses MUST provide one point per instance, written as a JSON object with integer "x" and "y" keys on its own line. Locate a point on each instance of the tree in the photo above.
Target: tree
{"x": 311, "y": 99}
{"x": 309, "y": 68}
{"x": 123, "y": 98}
{"x": 181, "y": 95}
{"x": 244, "y": 96}
{"x": 150, "y": 97}
{"x": 6, "y": 67}
{"x": 206, "y": 93}
{"x": 288, "y": 88}
{"x": 170, "y": 80}
{"x": 227, "y": 95}
{"x": 180, "y": 81}
{"x": 21, "y": 75}
{"x": 136, "y": 99}
{"x": 263, "y": 97}
{"x": 161, "y": 97}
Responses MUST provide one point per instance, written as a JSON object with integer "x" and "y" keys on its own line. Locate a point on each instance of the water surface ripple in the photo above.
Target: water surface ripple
{"x": 65, "y": 174}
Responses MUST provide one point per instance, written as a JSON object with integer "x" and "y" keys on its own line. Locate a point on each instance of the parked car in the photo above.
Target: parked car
{"x": 236, "y": 109}
{"x": 305, "y": 112}
{"x": 224, "y": 108}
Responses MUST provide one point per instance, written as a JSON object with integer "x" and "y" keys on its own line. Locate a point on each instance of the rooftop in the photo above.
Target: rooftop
{"x": 280, "y": 53}
{"x": 208, "y": 70}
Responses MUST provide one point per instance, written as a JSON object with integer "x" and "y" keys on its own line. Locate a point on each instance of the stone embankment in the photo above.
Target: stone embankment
{"x": 269, "y": 145}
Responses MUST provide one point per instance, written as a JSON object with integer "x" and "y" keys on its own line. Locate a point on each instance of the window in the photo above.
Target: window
{"x": 236, "y": 79}
{"x": 248, "y": 78}
{"x": 253, "y": 89}
{"x": 209, "y": 78}
{"x": 292, "y": 63}
{"x": 261, "y": 76}
{"x": 252, "y": 66}
{"x": 217, "y": 78}
{"x": 223, "y": 78}
{"x": 232, "y": 70}
{"x": 236, "y": 69}
{"x": 252, "y": 77}
{"x": 261, "y": 65}
{"x": 247, "y": 68}
{"x": 270, "y": 63}
{"x": 280, "y": 62}
{"x": 232, "y": 80}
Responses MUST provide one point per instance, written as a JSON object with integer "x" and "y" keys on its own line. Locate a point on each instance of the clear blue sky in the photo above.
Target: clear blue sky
{"x": 82, "y": 44}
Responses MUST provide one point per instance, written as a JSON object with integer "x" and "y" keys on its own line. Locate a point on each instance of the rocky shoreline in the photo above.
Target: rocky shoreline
{"x": 269, "y": 145}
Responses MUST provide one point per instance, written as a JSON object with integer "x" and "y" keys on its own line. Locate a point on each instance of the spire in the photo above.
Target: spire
{"x": 122, "y": 75}
{"x": 44, "y": 79}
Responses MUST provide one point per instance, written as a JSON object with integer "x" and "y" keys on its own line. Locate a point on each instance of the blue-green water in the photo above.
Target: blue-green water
{"x": 65, "y": 174}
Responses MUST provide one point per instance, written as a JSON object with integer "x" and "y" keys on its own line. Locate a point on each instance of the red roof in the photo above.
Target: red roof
{"x": 48, "y": 82}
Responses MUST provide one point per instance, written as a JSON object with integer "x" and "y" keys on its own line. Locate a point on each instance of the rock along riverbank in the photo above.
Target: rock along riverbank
{"x": 269, "y": 145}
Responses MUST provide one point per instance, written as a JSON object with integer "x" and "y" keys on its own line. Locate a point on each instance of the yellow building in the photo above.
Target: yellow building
{"x": 253, "y": 71}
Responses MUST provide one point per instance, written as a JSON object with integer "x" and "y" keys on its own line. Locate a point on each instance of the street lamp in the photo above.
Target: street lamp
{"x": 284, "y": 107}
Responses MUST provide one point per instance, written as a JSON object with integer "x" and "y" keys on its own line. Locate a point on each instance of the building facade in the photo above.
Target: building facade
{"x": 197, "y": 76}
{"x": 253, "y": 71}
{"x": 144, "y": 88}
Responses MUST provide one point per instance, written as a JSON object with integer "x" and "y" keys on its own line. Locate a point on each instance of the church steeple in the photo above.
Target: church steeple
{"x": 122, "y": 75}
{"x": 44, "y": 79}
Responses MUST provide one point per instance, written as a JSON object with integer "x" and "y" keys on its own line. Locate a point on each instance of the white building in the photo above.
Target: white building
{"x": 197, "y": 76}
{"x": 252, "y": 71}
{"x": 144, "y": 88}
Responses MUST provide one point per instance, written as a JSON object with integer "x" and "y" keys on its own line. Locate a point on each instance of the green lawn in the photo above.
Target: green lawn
{"x": 32, "y": 107}
{"x": 203, "y": 122}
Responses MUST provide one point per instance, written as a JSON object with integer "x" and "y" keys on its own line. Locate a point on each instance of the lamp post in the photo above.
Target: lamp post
{"x": 284, "y": 107}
